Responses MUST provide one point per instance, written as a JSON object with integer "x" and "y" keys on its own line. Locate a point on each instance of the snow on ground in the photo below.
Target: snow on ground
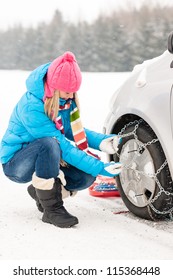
{"x": 101, "y": 234}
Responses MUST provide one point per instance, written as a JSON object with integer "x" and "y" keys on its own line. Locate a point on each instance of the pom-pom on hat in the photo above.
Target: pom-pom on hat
{"x": 63, "y": 74}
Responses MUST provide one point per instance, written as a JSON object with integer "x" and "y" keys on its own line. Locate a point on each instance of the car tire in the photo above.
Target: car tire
{"x": 155, "y": 156}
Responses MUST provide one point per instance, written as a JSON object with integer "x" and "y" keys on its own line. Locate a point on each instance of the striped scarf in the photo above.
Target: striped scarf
{"x": 78, "y": 131}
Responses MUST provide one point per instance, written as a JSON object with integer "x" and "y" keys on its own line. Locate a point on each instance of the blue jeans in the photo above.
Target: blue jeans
{"x": 42, "y": 156}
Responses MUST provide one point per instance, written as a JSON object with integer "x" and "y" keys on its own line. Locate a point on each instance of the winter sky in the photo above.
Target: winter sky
{"x": 31, "y": 12}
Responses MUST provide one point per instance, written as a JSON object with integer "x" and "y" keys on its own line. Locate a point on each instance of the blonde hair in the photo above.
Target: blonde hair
{"x": 51, "y": 105}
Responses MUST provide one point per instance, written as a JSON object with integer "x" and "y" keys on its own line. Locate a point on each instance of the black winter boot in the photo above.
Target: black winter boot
{"x": 32, "y": 192}
{"x": 54, "y": 211}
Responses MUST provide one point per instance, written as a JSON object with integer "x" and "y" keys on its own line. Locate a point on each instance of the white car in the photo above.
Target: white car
{"x": 141, "y": 112}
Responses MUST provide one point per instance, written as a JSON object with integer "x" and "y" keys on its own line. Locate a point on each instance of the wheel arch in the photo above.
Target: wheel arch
{"x": 120, "y": 122}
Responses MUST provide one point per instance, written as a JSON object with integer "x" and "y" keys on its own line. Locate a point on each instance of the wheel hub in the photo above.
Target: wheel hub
{"x": 136, "y": 180}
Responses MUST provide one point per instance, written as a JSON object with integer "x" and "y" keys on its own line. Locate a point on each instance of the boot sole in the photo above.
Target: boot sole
{"x": 65, "y": 225}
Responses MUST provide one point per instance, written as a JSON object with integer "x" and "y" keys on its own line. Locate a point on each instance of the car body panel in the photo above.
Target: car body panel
{"x": 147, "y": 94}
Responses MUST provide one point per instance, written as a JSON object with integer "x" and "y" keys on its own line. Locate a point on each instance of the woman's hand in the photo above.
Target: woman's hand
{"x": 110, "y": 145}
{"x": 111, "y": 169}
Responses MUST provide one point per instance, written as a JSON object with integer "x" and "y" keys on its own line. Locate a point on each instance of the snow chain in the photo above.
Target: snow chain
{"x": 154, "y": 176}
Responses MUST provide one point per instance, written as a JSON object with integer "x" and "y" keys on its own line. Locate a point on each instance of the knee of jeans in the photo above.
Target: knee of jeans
{"x": 50, "y": 144}
{"x": 85, "y": 182}
{"x": 88, "y": 181}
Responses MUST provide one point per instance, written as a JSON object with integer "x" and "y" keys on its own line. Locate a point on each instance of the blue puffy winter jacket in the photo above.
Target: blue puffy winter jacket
{"x": 29, "y": 122}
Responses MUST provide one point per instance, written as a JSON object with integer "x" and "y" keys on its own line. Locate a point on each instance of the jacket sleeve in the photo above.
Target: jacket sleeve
{"x": 39, "y": 125}
{"x": 95, "y": 138}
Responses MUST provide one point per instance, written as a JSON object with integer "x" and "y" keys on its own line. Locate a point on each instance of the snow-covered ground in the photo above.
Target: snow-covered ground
{"x": 102, "y": 233}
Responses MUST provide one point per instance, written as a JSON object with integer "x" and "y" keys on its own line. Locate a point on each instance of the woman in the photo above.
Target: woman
{"x": 45, "y": 142}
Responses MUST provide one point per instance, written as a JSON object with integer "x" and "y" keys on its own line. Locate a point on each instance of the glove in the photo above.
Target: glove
{"x": 111, "y": 169}
{"x": 110, "y": 145}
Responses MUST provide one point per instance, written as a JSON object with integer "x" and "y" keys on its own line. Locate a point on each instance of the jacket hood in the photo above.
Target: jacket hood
{"x": 35, "y": 81}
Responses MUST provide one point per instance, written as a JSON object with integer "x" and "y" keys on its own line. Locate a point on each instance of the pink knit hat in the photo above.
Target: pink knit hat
{"x": 63, "y": 74}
